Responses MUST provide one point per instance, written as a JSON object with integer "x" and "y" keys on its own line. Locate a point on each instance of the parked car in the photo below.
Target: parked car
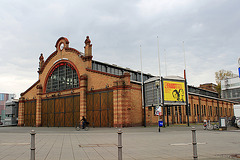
{"x": 1, "y": 123}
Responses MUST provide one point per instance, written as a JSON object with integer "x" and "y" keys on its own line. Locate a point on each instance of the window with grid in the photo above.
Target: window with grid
{"x": 63, "y": 77}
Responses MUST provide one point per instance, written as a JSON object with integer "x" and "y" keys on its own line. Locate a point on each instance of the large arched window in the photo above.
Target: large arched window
{"x": 62, "y": 77}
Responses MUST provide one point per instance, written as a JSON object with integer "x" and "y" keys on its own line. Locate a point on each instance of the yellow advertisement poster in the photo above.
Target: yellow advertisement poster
{"x": 174, "y": 91}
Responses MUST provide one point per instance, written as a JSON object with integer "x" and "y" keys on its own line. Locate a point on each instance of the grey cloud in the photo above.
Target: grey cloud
{"x": 209, "y": 30}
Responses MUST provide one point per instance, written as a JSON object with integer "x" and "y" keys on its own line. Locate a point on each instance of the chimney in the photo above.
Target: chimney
{"x": 88, "y": 48}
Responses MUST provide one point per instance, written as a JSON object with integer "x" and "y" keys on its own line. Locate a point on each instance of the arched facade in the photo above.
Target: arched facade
{"x": 69, "y": 88}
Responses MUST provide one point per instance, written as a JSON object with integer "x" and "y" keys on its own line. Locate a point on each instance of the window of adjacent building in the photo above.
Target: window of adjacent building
{"x": 180, "y": 110}
{"x": 189, "y": 109}
{"x": 204, "y": 110}
{"x": 121, "y": 72}
{"x": 210, "y": 110}
{"x": 197, "y": 110}
{"x": 108, "y": 69}
{"x": 116, "y": 71}
{"x": 63, "y": 77}
{"x": 112, "y": 70}
{"x": 133, "y": 76}
{"x": 1, "y": 97}
{"x": 194, "y": 109}
{"x": 94, "y": 66}
{"x": 168, "y": 110}
{"x": 139, "y": 77}
{"x": 104, "y": 68}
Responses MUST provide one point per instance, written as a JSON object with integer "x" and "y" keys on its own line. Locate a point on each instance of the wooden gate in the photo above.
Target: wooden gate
{"x": 61, "y": 111}
{"x": 30, "y": 113}
{"x": 100, "y": 109}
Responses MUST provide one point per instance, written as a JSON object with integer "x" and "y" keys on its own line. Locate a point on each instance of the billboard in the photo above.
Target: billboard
{"x": 174, "y": 92}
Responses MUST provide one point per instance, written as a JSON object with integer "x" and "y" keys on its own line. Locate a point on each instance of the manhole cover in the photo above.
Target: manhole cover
{"x": 229, "y": 155}
{"x": 97, "y": 145}
{"x": 235, "y": 155}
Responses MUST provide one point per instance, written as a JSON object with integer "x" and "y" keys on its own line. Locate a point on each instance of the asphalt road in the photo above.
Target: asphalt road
{"x": 139, "y": 143}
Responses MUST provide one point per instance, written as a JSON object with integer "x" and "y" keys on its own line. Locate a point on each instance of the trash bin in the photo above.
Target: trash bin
{"x": 160, "y": 123}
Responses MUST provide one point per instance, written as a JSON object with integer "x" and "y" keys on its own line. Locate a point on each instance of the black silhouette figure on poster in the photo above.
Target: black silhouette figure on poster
{"x": 178, "y": 95}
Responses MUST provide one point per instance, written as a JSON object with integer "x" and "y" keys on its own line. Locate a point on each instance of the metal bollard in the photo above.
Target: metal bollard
{"x": 32, "y": 145}
{"x": 120, "y": 144}
{"x": 194, "y": 142}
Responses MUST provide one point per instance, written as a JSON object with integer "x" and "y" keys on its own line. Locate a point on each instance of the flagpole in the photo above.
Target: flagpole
{"x": 159, "y": 66}
{"x": 165, "y": 61}
{"x": 143, "y": 101}
{"x": 186, "y": 87}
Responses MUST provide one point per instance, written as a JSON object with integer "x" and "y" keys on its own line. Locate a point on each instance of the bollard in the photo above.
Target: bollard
{"x": 194, "y": 142}
{"x": 119, "y": 144}
{"x": 32, "y": 145}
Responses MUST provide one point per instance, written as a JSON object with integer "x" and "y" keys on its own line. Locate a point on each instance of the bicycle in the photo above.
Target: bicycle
{"x": 78, "y": 126}
{"x": 207, "y": 125}
{"x": 216, "y": 126}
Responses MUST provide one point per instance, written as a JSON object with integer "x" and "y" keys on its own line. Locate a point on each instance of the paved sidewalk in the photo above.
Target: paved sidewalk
{"x": 139, "y": 143}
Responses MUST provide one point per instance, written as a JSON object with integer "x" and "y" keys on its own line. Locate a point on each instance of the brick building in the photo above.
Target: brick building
{"x": 71, "y": 85}
{"x": 209, "y": 87}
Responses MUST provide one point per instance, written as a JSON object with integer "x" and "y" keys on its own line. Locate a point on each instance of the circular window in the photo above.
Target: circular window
{"x": 61, "y": 46}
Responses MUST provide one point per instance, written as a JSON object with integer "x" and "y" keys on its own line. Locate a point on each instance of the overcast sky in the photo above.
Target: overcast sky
{"x": 210, "y": 30}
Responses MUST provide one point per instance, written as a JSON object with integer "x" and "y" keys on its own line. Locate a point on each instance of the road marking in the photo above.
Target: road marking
{"x": 97, "y": 145}
{"x": 13, "y": 144}
{"x": 185, "y": 144}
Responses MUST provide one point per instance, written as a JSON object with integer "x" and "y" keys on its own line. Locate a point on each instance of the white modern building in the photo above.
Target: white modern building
{"x": 3, "y": 98}
{"x": 11, "y": 112}
{"x": 231, "y": 89}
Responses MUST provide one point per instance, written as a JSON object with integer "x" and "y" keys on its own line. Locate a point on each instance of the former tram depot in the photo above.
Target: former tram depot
{"x": 71, "y": 85}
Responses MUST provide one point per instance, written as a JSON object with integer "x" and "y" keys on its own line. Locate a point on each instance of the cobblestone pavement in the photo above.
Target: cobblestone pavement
{"x": 139, "y": 143}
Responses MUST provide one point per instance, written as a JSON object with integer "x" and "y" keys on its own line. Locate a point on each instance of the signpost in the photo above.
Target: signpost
{"x": 239, "y": 67}
{"x": 158, "y": 111}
